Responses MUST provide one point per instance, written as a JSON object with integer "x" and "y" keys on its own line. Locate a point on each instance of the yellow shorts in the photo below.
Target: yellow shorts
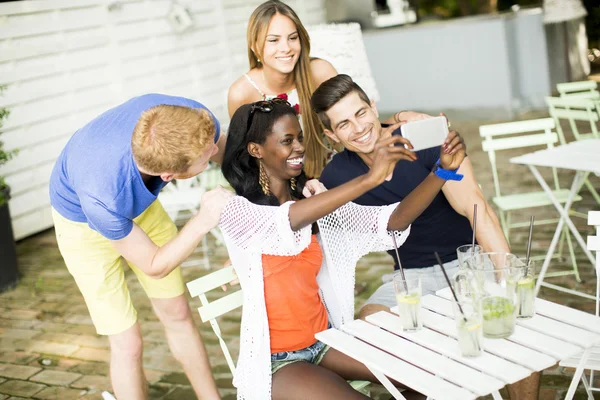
{"x": 98, "y": 268}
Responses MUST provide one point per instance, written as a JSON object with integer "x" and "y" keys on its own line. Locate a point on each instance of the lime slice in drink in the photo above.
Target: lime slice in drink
{"x": 526, "y": 283}
{"x": 408, "y": 298}
{"x": 472, "y": 326}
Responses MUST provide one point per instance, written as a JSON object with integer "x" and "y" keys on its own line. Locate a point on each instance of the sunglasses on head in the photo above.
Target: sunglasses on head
{"x": 265, "y": 106}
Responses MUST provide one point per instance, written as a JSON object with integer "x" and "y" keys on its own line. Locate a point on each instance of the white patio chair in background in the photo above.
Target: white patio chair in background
{"x": 580, "y": 90}
{"x": 517, "y": 135}
{"x": 181, "y": 200}
{"x": 593, "y": 362}
{"x": 573, "y": 110}
{"x": 343, "y": 46}
{"x": 211, "y": 310}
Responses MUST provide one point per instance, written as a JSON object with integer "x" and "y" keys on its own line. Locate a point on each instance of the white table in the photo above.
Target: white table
{"x": 583, "y": 157}
{"x": 429, "y": 360}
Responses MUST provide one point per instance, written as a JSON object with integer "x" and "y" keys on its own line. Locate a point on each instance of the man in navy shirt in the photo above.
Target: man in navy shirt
{"x": 103, "y": 192}
{"x": 351, "y": 120}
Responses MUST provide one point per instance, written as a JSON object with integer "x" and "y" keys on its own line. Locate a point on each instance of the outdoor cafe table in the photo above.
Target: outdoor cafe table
{"x": 582, "y": 156}
{"x": 429, "y": 360}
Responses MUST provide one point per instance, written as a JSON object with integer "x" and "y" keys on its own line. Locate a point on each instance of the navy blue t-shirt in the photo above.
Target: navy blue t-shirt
{"x": 439, "y": 228}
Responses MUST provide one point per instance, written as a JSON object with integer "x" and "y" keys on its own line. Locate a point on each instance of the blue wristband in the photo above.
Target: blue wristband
{"x": 446, "y": 174}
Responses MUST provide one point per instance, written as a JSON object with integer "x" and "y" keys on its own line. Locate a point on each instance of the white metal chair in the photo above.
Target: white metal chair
{"x": 580, "y": 90}
{"x": 516, "y": 135}
{"x": 181, "y": 200}
{"x": 573, "y": 110}
{"x": 210, "y": 311}
{"x": 593, "y": 362}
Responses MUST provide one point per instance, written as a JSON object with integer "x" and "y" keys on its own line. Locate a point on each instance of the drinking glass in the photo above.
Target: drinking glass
{"x": 465, "y": 251}
{"x": 467, "y": 314}
{"x": 494, "y": 279}
{"x": 524, "y": 281}
{"x": 408, "y": 296}
{"x": 469, "y": 326}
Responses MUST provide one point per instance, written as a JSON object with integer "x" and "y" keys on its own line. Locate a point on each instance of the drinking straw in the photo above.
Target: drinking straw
{"x": 474, "y": 228}
{"x": 437, "y": 256}
{"x": 529, "y": 240}
{"x": 398, "y": 259}
{"x": 401, "y": 271}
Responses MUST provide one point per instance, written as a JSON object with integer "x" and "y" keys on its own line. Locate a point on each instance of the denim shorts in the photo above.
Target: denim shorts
{"x": 312, "y": 354}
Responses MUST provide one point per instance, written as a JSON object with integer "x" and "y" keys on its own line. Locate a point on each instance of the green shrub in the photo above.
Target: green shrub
{"x": 5, "y": 156}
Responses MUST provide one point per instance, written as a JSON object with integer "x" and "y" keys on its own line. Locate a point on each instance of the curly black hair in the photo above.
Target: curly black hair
{"x": 240, "y": 168}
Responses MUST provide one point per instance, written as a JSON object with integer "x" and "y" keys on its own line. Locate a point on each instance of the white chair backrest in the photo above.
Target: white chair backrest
{"x": 573, "y": 109}
{"x": 343, "y": 46}
{"x": 514, "y": 135}
{"x": 209, "y": 311}
{"x": 185, "y": 194}
{"x": 581, "y": 89}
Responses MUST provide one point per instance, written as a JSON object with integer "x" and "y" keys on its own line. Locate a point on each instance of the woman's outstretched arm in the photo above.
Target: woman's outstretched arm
{"x": 388, "y": 152}
{"x": 451, "y": 156}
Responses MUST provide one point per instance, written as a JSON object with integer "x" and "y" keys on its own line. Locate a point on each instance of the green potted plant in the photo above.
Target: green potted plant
{"x": 8, "y": 253}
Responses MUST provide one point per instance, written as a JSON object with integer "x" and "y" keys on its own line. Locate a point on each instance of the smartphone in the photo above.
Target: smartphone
{"x": 426, "y": 133}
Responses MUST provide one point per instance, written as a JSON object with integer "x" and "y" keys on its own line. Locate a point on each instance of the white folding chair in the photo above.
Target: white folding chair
{"x": 516, "y": 135}
{"x": 593, "y": 362}
{"x": 581, "y": 90}
{"x": 181, "y": 200}
{"x": 210, "y": 311}
{"x": 575, "y": 109}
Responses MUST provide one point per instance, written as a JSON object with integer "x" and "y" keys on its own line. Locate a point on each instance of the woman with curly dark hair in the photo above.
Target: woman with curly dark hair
{"x": 295, "y": 256}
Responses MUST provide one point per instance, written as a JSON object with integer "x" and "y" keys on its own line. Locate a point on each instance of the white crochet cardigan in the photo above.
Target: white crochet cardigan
{"x": 251, "y": 230}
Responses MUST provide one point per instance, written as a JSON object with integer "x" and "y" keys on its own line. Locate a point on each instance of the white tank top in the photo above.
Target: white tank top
{"x": 291, "y": 96}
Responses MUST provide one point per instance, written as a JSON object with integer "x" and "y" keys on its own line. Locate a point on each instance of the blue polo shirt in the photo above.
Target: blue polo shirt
{"x": 95, "y": 179}
{"x": 439, "y": 228}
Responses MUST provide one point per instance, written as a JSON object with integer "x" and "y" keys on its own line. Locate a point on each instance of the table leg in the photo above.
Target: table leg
{"x": 496, "y": 395}
{"x": 387, "y": 384}
{"x": 578, "y": 372}
{"x": 587, "y": 387}
{"x": 564, "y": 218}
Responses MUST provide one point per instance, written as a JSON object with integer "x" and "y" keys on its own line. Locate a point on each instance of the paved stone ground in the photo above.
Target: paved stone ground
{"x": 49, "y": 348}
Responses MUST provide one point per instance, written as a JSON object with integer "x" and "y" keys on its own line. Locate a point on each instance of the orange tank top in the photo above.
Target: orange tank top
{"x": 294, "y": 307}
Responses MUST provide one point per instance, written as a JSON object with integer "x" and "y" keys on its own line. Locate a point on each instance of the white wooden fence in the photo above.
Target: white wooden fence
{"x": 65, "y": 61}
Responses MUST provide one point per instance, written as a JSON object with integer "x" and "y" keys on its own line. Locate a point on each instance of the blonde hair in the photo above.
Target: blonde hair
{"x": 170, "y": 138}
{"x": 315, "y": 156}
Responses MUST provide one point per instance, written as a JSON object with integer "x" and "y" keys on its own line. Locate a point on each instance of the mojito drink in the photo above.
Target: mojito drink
{"x": 409, "y": 308}
{"x": 470, "y": 337}
{"x": 499, "y": 314}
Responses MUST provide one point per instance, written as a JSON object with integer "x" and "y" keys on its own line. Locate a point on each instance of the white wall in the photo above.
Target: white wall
{"x": 483, "y": 66}
{"x": 65, "y": 61}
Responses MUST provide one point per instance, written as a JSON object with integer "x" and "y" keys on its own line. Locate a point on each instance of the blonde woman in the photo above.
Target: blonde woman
{"x": 281, "y": 66}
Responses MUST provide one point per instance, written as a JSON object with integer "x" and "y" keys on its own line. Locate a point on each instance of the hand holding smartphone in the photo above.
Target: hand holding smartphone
{"x": 426, "y": 133}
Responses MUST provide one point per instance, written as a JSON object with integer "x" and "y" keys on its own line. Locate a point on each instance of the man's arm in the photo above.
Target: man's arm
{"x": 462, "y": 195}
{"x": 157, "y": 262}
